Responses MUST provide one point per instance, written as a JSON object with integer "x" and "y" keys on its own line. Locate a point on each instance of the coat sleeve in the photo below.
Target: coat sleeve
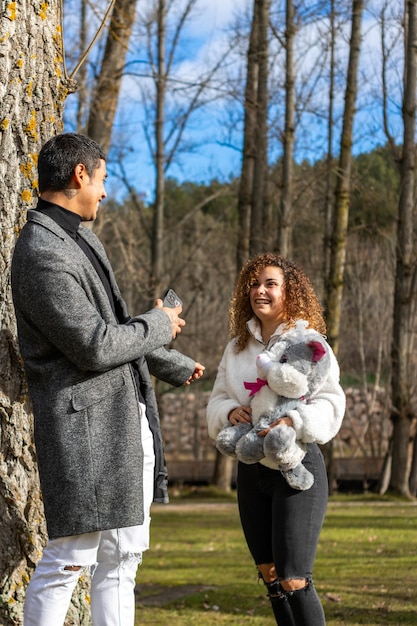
{"x": 170, "y": 366}
{"x": 320, "y": 419}
{"x": 62, "y": 300}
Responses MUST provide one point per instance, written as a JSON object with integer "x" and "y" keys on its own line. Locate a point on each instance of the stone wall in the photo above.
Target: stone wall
{"x": 191, "y": 453}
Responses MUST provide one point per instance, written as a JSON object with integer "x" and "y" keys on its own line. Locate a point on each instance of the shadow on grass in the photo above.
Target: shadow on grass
{"x": 159, "y": 595}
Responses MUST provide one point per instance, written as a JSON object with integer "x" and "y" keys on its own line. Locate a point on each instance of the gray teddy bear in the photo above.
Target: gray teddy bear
{"x": 288, "y": 374}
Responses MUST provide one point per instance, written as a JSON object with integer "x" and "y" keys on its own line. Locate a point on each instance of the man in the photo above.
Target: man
{"x": 97, "y": 433}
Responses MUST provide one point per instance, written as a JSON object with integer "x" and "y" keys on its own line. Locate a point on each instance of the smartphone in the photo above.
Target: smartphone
{"x": 171, "y": 299}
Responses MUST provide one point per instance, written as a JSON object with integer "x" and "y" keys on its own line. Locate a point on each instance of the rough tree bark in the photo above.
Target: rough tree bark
{"x": 34, "y": 87}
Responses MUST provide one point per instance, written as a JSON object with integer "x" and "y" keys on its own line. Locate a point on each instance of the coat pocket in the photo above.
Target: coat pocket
{"x": 92, "y": 391}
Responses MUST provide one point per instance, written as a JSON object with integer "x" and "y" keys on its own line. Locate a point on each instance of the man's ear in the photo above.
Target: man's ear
{"x": 79, "y": 175}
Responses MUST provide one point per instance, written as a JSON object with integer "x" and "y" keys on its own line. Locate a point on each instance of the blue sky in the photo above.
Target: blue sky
{"x": 214, "y": 133}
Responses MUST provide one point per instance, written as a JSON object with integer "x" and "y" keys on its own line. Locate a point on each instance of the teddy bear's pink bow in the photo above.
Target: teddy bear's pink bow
{"x": 255, "y": 387}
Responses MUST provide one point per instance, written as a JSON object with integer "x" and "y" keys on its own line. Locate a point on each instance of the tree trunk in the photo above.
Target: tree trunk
{"x": 82, "y": 74}
{"x": 405, "y": 279}
{"x": 244, "y": 204}
{"x": 413, "y": 470}
{"x": 339, "y": 236}
{"x": 259, "y": 232}
{"x": 253, "y": 235}
{"x": 223, "y": 472}
{"x": 328, "y": 205}
{"x": 107, "y": 88}
{"x": 158, "y": 216}
{"x": 34, "y": 88}
{"x": 285, "y": 230}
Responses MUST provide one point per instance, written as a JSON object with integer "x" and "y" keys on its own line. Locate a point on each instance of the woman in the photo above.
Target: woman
{"x": 281, "y": 525}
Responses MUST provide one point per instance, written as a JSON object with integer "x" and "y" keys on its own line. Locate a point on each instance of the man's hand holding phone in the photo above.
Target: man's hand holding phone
{"x": 172, "y": 305}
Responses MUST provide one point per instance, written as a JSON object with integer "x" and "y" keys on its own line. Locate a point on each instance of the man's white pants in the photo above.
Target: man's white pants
{"x": 112, "y": 555}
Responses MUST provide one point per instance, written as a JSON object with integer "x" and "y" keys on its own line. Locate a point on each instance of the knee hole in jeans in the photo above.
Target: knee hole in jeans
{"x": 295, "y": 584}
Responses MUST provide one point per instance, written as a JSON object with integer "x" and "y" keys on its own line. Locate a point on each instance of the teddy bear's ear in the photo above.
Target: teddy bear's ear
{"x": 318, "y": 350}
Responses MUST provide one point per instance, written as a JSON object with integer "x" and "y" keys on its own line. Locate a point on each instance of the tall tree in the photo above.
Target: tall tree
{"x": 160, "y": 77}
{"x": 285, "y": 213}
{"x": 342, "y": 195}
{"x": 169, "y": 100}
{"x": 82, "y": 103}
{"x": 35, "y": 85}
{"x": 244, "y": 205}
{"x": 328, "y": 204}
{"x": 259, "y": 233}
{"x": 405, "y": 295}
{"x": 252, "y": 194}
{"x": 252, "y": 202}
{"x": 34, "y": 88}
{"x": 109, "y": 79}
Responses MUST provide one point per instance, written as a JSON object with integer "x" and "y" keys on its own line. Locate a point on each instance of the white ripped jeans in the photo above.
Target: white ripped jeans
{"x": 112, "y": 555}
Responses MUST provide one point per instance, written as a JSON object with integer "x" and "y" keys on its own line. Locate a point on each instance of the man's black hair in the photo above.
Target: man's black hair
{"x": 59, "y": 157}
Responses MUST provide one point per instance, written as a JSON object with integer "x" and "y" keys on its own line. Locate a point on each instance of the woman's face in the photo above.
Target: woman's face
{"x": 267, "y": 295}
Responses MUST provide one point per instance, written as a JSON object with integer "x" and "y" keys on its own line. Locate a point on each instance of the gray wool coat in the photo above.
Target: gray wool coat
{"x": 78, "y": 360}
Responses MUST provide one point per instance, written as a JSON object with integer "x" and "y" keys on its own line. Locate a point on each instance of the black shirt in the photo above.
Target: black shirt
{"x": 70, "y": 222}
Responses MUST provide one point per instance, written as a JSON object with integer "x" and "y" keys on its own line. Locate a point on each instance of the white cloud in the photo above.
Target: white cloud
{"x": 213, "y": 15}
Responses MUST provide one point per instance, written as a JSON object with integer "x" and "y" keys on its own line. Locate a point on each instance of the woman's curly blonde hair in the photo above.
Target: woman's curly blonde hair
{"x": 301, "y": 301}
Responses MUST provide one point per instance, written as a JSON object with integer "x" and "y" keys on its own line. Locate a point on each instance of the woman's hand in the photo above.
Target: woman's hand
{"x": 240, "y": 414}
{"x": 281, "y": 420}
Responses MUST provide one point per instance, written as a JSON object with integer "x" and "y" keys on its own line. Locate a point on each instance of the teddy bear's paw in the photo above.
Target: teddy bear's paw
{"x": 249, "y": 448}
{"x": 283, "y": 435}
{"x": 226, "y": 447}
{"x": 299, "y": 478}
{"x": 228, "y": 438}
{"x": 281, "y": 447}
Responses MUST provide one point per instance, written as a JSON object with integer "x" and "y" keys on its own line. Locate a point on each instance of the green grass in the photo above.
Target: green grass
{"x": 366, "y": 566}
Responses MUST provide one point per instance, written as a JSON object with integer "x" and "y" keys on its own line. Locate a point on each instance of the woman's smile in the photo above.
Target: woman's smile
{"x": 267, "y": 295}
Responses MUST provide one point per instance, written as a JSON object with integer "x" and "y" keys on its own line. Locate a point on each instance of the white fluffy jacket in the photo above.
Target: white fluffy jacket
{"x": 317, "y": 421}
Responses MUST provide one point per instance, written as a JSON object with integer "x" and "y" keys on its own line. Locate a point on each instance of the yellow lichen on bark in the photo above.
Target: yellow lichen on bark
{"x": 11, "y": 10}
{"x": 26, "y": 169}
{"x": 30, "y": 129}
{"x": 26, "y": 196}
{"x": 29, "y": 171}
{"x": 43, "y": 10}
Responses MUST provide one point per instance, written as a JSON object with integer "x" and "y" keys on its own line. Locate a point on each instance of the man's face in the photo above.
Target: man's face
{"x": 92, "y": 192}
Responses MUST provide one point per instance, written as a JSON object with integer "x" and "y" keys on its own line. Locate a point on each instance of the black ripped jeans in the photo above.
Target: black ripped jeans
{"x": 282, "y": 526}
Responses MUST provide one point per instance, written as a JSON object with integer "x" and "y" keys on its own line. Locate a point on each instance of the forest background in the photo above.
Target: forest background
{"x": 233, "y": 128}
{"x": 290, "y": 127}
